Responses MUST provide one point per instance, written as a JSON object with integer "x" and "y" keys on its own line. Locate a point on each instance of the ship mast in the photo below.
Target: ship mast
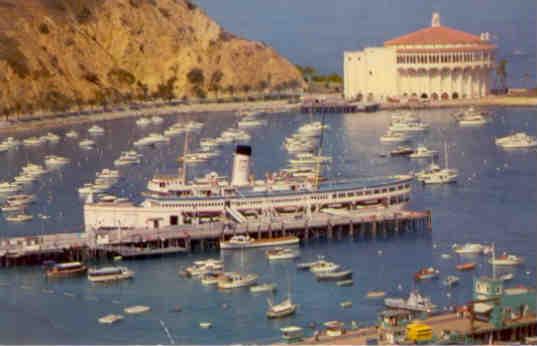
{"x": 185, "y": 151}
{"x": 319, "y": 153}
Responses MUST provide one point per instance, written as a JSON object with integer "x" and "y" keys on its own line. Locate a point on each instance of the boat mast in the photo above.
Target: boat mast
{"x": 493, "y": 262}
{"x": 445, "y": 155}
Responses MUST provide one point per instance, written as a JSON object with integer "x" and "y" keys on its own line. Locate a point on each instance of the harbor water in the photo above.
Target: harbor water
{"x": 493, "y": 201}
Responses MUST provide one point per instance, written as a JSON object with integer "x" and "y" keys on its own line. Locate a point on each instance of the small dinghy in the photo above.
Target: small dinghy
{"x": 109, "y": 319}
{"x": 137, "y": 309}
{"x": 346, "y": 304}
{"x": 345, "y": 283}
{"x": 206, "y": 325}
{"x": 375, "y": 294}
{"x": 269, "y": 287}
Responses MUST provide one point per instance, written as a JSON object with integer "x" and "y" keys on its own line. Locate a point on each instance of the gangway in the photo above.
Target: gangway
{"x": 236, "y": 215}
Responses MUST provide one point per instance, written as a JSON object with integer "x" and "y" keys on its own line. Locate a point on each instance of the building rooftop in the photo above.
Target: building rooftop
{"x": 435, "y": 35}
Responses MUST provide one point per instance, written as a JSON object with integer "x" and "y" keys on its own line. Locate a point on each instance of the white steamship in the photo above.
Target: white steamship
{"x": 174, "y": 201}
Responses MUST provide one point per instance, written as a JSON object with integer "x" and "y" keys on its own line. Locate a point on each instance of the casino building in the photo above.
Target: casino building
{"x": 436, "y": 62}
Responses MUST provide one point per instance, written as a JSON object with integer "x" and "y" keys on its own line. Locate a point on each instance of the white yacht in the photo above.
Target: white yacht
{"x": 312, "y": 129}
{"x": 33, "y": 170}
{"x": 143, "y": 122}
{"x": 280, "y": 253}
{"x": 71, "y": 134}
{"x": 245, "y": 241}
{"x": 442, "y": 176}
{"x": 54, "y": 161}
{"x": 128, "y": 158}
{"x": 86, "y": 144}
{"x": 86, "y": 189}
{"x": 251, "y": 122}
{"x": 283, "y": 309}
{"x": 96, "y": 130}
{"x": 20, "y": 200}
{"x": 506, "y": 260}
{"x": 174, "y": 130}
{"x": 108, "y": 174}
{"x": 231, "y": 280}
{"x": 323, "y": 266}
{"x": 108, "y": 274}
{"x": 151, "y": 139}
{"x": 199, "y": 268}
{"x": 423, "y": 152}
{"x": 209, "y": 143}
{"x": 25, "y": 178}
{"x": 19, "y": 218}
{"x": 261, "y": 288}
{"x": 516, "y": 141}
{"x": 394, "y": 137}
{"x": 468, "y": 248}
{"x": 472, "y": 117}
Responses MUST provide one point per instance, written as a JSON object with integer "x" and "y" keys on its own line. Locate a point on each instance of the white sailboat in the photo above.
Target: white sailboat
{"x": 443, "y": 176}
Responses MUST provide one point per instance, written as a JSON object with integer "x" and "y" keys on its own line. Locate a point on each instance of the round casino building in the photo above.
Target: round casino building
{"x": 436, "y": 63}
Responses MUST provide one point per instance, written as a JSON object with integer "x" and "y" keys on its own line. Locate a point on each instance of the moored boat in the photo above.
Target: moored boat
{"x": 245, "y": 241}
{"x": 268, "y": 287}
{"x": 323, "y": 266}
{"x": 136, "y": 309}
{"x": 231, "y": 280}
{"x": 66, "y": 269}
{"x": 292, "y": 334}
{"x": 109, "y": 274}
{"x": 281, "y": 254}
{"x": 427, "y": 273}
{"x": 414, "y": 302}
{"x": 109, "y": 319}
{"x": 334, "y": 275}
{"x": 283, "y": 309}
{"x": 375, "y": 294}
{"x": 466, "y": 266}
{"x": 451, "y": 280}
{"x": 506, "y": 260}
{"x": 468, "y": 248}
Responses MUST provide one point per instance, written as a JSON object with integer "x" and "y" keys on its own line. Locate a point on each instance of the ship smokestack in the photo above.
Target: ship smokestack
{"x": 241, "y": 165}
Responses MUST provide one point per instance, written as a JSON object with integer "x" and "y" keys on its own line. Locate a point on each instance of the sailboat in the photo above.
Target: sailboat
{"x": 442, "y": 176}
{"x": 231, "y": 280}
{"x": 283, "y": 309}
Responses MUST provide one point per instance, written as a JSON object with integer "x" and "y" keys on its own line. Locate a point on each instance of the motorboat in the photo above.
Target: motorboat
{"x": 33, "y": 169}
{"x": 468, "y": 248}
{"x": 451, "y": 280}
{"x": 96, "y": 130}
{"x": 506, "y": 260}
{"x": 86, "y": 144}
{"x": 280, "y": 253}
{"x": 334, "y": 328}
{"x": 517, "y": 141}
{"x": 471, "y": 117}
{"x": 208, "y": 143}
{"x": 19, "y": 218}
{"x": 442, "y": 176}
{"x": 231, "y": 280}
{"x": 283, "y": 309}
{"x": 405, "y": 117}
{"x": 108, "y": 274}
{"x": 108, "y": 174}
{"x": 346, "y": 304}
{"x": 347, "y": 282}
{"x": 466, "y": 266}
{"x": 54, "y": 161}
{"x": 427, "y": 273}
{"x": 25, "y": 178}
{"x": 136, "y": 309}
{"x": 323, "y": 267}
{"x": 109, "y": 319}
{"x": 312, "y": 129}
{"x": 394, "y": 137}
{"x": 433, "y": 168}
{"x": 422, "y": 152}
{"x": 71, "y": 134}
{"x": 143, "y": 122}
{"x": 268, "y": 287}
{"x": 402, "y": 151}
{"x": 375, "y": 294}
{"x": 66, "y": 269}
{"x": 245, "y": 241}
{"x": 334, "y": 275}
{"x": 156, "y": 120}
{"x": 8, "y": 208}
{"x": 292, "y": 334}
{"x": 199, "y": 268}
{"x": 32, "y": 141}
{"x": 86, "y": 189}
{"x": 414, "y": 302}
{"x": 308, "y": 265}
{"x": 174, "y": 131}
{"x": 205, "y": 325}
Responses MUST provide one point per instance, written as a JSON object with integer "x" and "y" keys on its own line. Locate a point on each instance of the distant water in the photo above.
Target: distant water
{"x": 316, "y": 32}
{"x": 494, "y": 201}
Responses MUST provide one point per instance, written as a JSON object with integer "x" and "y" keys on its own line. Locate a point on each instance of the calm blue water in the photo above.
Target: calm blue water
{"x": 316, "y": 32}
{"x": 494, "y": 201}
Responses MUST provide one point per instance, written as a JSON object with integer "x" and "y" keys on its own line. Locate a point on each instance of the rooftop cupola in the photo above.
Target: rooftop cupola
{"x": 435, "y": 21}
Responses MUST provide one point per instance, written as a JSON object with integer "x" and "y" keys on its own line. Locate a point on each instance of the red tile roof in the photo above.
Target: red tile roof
{"x": 435, "y": 35}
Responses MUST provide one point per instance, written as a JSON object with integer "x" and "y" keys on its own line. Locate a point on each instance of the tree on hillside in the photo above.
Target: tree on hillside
{"x": 501, "y": 75}
{"x": 246, "y": 89}
{"x": 196, "y": 77}
{"x": 230, "y": 89}
{"x": 214, "y": 83}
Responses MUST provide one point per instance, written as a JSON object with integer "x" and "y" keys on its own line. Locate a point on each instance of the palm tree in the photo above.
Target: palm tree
{"x": 501, "y": 75}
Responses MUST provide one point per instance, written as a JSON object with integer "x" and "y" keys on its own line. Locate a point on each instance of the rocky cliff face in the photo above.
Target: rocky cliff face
{"x": 58, "y": 52}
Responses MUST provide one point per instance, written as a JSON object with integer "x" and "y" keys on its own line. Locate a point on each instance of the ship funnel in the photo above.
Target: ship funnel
{"x": 241, "y": 165}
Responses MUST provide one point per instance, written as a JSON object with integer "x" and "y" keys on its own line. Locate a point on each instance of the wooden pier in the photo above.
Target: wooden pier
{"x": 337, "y": 107}
{"x": 128, "y": 243}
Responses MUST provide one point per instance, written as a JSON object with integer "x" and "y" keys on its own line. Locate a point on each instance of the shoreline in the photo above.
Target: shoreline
{"x": 58, "y": 120}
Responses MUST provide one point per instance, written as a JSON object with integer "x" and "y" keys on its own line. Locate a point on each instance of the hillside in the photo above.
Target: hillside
{"x": 56, "y": 53}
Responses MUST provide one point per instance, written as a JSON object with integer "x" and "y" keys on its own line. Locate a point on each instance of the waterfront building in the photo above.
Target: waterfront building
{"x": 436, "y": 62}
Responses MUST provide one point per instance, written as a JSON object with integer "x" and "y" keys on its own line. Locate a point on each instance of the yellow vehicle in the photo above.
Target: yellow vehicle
{"x": 419, "y": 332}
